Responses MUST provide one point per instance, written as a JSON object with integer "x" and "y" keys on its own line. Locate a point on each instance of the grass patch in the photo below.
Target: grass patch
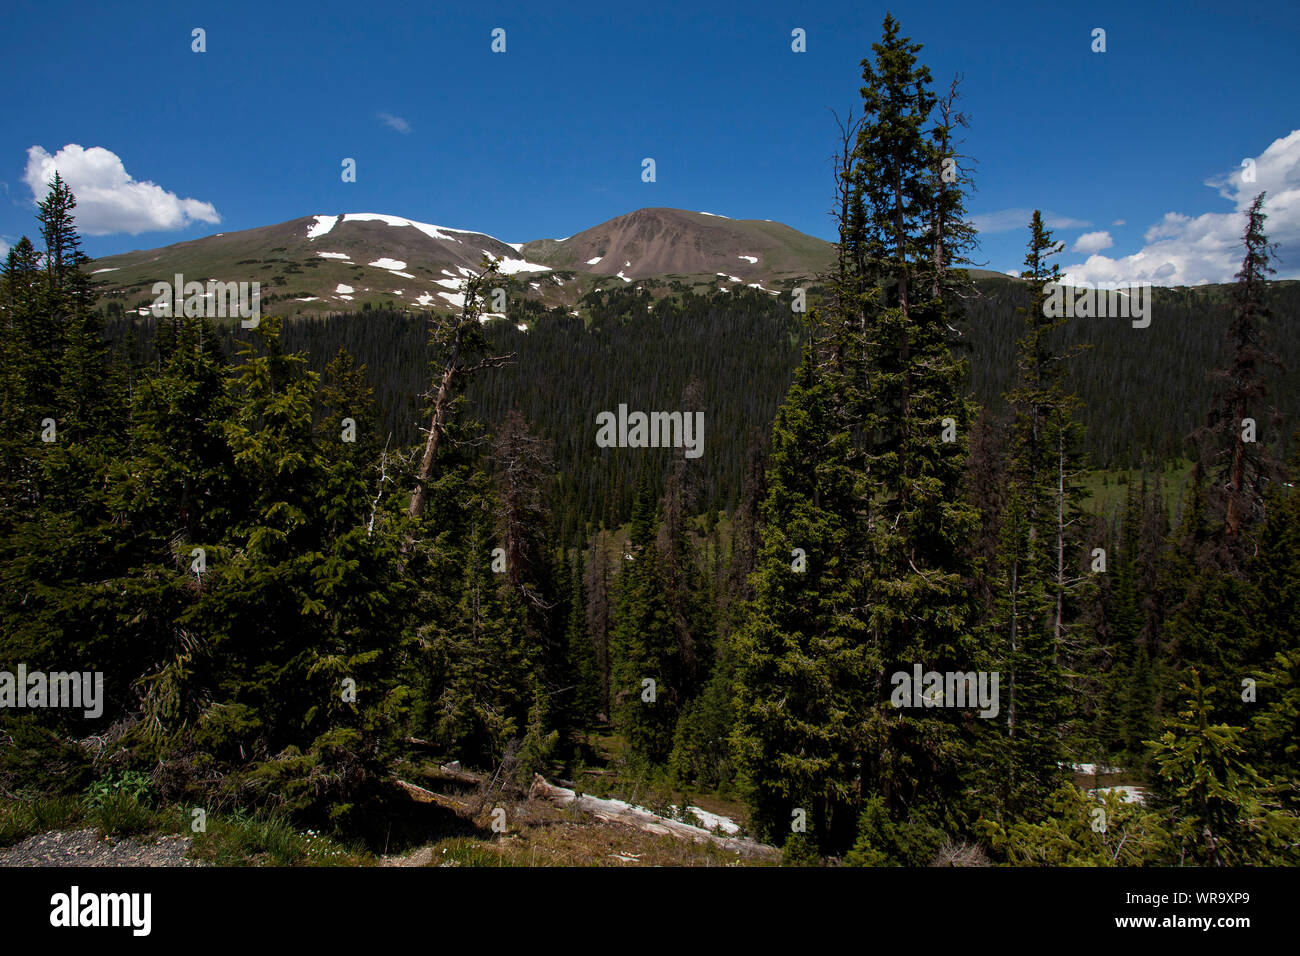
{"x": 20, "y": 819}
{"x": 464, "y": 851}
{"x": 270, "y": 840}
{"x": 122, "y": 815}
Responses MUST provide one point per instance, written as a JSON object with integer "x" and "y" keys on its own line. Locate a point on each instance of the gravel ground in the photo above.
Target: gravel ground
{"x": 86, "y": 848}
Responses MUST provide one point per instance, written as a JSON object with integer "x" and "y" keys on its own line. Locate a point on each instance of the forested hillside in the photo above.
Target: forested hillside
{"x": 312, "y": 561}
{"x": 1142, "y": 391}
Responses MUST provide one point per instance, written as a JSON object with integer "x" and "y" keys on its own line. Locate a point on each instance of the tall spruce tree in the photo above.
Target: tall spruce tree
{"x": 1036, "y": 557}
{"x": 914, "y": 421}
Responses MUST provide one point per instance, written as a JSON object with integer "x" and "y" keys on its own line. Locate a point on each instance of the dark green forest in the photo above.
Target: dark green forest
{"x": 303, "y": 555}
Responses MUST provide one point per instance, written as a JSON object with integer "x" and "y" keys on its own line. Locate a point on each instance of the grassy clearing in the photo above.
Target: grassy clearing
{"x": 1106, "y": 489}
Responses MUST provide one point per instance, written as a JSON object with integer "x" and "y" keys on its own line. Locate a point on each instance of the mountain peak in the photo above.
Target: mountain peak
{"x": 658, "y": 240}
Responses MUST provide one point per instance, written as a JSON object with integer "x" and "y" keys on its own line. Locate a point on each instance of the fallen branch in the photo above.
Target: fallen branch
{"x": 428, "y": 796}
{"x": 616, "y": 811}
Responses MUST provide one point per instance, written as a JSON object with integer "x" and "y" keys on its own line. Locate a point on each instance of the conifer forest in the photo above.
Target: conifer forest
{"x": 882, "y": 559}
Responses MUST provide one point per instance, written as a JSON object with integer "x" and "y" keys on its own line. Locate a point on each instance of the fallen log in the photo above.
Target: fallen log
{"x": 453, "y": 771}
{"x": 616, "y": 811}
{"x": 428, "y": 796}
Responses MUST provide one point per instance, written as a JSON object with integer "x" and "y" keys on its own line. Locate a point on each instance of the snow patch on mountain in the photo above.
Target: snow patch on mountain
{"x": 322, "y": 225}
{"x": 752, "y": 259}
{"x": 389, "y": 264}
{"x": 592, "y": 262}
{"x": 434, "y": 232}
{"x": 333, "y": 255}
{"x": 509, "y": 267}
{"x": 344, "y": 289}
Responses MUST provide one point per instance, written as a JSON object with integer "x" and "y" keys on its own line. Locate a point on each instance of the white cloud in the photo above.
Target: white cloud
{"x": 1194, "y": 250}
{"x": 4, "y": 248}
{"x": 396, "y": 122}
{"x": 1119, "y": 222}
{"x": 1006, "y": 220}
{"x": 1091, "y": 242}
{"x": 108, "y": 199}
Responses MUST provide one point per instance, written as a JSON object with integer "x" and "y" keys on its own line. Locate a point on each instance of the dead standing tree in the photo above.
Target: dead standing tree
{"x": 462, "y": 340}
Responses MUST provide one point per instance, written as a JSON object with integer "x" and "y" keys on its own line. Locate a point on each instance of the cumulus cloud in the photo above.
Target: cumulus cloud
{"x": 109, "y": 200}
{"x": 1194, "y": 250}
{"x": 1005, "y": 220}
{"x": 1091, "y": 242}
{"x": 396, "y": 122}
{"x": 1119, "y": 222}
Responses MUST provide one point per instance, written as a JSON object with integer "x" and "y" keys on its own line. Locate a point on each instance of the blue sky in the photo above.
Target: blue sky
{"x": 547, "y": 138}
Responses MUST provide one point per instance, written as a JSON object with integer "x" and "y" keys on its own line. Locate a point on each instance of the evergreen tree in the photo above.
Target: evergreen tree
{"x": 1238, "y": 459}
{"x": 1222, "y": 810}
{"x": 647, "y": 670}
{"x": 913, "y": 420}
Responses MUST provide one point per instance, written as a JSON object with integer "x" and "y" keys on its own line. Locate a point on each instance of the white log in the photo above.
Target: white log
{"x": 616, "y": 811}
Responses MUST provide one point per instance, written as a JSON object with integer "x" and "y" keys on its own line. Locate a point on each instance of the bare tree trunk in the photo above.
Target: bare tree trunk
{"x": 1015, "y": 625}
{"x": 1059, "y": 624}
{"x": 421, "y": 495}
{"x": 1233, "y": 517}
{"x": 451, "y": 374}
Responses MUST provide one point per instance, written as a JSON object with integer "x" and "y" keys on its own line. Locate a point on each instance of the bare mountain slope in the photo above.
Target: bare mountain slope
{"x": 338, "y": 262}
{"x": 321, "y": 262}
{"x": 658, "y": 242}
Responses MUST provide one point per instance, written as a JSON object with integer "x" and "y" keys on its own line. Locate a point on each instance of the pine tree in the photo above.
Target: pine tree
{"x": 804, "y": 668}
{"x": 1222, "y": 810}
{"x": 1238, "y": 459}
{"x": 1216, "y": 627}
{"x": 582, "y": 674}
{"x": 647, "y": 669}
{"x": 597, "y": 592}
{"x": 917, "y": 605}
{"x": 1037, "y": 558}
